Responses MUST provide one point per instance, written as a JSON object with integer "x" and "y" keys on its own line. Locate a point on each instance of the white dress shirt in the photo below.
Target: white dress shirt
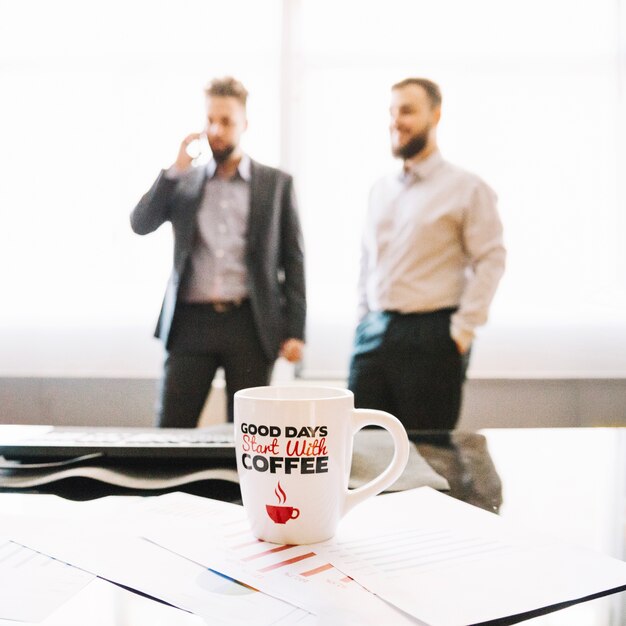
{"x": 433, "y": 240}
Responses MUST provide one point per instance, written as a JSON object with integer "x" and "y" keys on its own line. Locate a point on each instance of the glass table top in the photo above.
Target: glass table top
{"x": 570, "y": 483}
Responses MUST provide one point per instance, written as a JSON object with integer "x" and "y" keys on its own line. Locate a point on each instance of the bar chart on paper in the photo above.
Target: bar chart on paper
{"x": 95, "y": 544}
{"x": 441, "y": 548}
{"x": 398, "y": 553}
{"x": 296, "y": 561}
{"x": 295, "y": 574}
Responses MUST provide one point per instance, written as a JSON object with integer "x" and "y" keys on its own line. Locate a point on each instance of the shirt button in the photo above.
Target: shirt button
{"x": 219, "y": 253}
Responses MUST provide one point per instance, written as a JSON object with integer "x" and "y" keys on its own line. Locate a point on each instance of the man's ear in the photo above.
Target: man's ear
{"x": 436, "y": 115}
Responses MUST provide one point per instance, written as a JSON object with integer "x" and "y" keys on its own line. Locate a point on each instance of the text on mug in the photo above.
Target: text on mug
{"x": 305, "y": 465}
{"x": 290, "y": 431}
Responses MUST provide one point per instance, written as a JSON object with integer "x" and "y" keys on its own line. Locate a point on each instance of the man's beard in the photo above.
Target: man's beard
{"x": 221, "y": 156}
{"x": 413, "y": 146}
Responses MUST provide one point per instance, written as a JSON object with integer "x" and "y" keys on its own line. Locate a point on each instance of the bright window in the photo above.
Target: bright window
{"x": 532, "y": 103}
{"x": 96, "y": 97}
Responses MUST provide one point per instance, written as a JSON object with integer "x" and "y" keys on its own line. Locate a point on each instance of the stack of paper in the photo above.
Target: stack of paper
{"x": 414, "y": 557}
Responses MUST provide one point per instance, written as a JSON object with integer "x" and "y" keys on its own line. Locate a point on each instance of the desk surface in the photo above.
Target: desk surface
{"x": 567, "y": 482}
{"x": 570, "y": 483}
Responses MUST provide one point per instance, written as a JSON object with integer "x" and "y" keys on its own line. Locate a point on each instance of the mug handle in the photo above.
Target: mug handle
{"x": 372, "y": 417}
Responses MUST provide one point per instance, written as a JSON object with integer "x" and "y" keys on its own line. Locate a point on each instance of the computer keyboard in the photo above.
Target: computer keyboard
{"x": 165, "y": 444}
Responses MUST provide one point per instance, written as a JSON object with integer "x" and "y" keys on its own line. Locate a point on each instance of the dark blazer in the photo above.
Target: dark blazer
{"x": 274, "y": 249}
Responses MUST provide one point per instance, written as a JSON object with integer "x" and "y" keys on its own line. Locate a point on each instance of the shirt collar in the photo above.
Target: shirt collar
{"x": 243, "y": 169}
{"x": 422, "y": 169}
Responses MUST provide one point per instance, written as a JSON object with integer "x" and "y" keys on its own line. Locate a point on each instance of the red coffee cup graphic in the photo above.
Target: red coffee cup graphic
{"x": 281, "y": 514}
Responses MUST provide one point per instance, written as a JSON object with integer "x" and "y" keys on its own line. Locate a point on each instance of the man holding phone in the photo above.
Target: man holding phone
{"x": 236, "y": 295}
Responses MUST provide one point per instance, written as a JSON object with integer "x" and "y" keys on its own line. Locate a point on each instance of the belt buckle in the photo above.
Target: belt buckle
{"x": 226, "y": 305}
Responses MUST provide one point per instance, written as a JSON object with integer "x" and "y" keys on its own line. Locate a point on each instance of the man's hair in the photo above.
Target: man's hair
{"x": 431, "y": 88}
{"x": 227, "y": 87}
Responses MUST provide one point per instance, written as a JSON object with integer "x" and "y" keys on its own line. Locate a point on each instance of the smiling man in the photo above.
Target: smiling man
{"x": 432, "y": 257}
{"x": 236, "y": 294}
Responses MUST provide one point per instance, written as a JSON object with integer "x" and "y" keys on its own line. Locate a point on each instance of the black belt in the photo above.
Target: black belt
{"x": 225, "y": 306}
{"x": 432, "y": 313}
{"x": 217, "y": 306}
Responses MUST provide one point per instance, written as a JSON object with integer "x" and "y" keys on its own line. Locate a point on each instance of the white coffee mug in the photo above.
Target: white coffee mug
{"x": 294, "y": 452}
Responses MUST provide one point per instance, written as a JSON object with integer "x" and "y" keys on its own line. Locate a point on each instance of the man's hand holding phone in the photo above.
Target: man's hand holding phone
{"x": 185, "y": 154}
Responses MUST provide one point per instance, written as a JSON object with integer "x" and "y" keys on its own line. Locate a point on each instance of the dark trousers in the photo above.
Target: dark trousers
{"x": 201, "y": 341}
{"x": 409, "y": 366}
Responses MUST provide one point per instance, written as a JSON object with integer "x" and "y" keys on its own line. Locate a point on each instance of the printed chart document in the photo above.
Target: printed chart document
{"x": 98, "y": 537}
{"x": 33, "y": 585}
{"x": 217, "y": 535}
{"x": 452, "y": 564}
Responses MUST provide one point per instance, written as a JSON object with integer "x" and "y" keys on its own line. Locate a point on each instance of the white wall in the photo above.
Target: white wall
{"x": 518, "y": 403}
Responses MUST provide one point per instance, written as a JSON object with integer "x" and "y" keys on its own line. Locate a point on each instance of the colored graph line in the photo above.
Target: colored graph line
{"x": 258, "y": 555}
{"x": 317, "y": 570}
{"x": 295, "y": 559}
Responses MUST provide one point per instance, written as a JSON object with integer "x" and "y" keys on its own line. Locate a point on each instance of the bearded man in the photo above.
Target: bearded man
{"x": 236, "y": 295}
{"x": 432, "y": 257}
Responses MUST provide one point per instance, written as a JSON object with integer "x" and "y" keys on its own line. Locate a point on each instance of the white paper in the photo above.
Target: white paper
{"x": 128, "y": 478}
{"x": 33, "y": 585}
{"x": 96, "y": 536}
{"x": 452, "y": 564}
{"x": 14, "y": 433}
{"x": 218, "y": 536}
